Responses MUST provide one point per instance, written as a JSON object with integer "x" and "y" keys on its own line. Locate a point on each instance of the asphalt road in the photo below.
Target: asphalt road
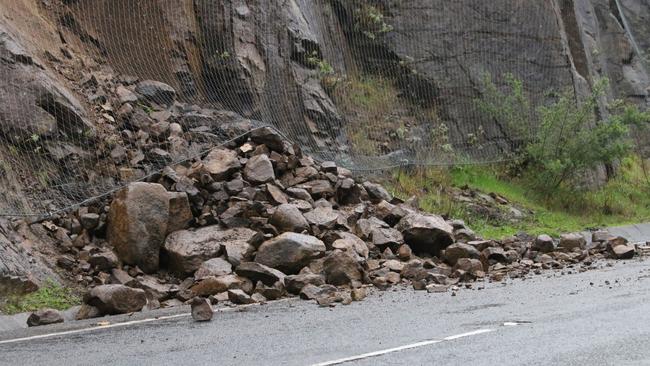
{"x": 600, "y": 317}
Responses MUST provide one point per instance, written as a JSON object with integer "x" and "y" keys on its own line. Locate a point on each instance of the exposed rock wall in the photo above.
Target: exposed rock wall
{"x": 251, "y": 56}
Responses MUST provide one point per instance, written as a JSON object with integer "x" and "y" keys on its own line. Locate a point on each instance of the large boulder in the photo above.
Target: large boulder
{"x": 188, "y": 249}
{"x": 289, "y": 252}
{"x": 137, "y": 224}
{"x": 116, "y": 299}
{"x": 425, "y": 233}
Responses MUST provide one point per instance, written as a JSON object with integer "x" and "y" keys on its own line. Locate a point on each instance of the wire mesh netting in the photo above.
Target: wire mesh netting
{"x": 368, "y": 84}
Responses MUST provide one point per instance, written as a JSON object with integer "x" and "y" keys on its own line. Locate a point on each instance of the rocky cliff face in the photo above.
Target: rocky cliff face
{"x": 261, "y": 58}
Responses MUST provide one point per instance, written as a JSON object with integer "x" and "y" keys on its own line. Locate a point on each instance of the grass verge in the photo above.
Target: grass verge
{"x": 623, "y": 200}
{"x": 51, "y": 295}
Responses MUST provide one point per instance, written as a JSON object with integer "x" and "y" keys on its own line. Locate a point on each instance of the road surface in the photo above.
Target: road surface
{"x": 600, "y": 317}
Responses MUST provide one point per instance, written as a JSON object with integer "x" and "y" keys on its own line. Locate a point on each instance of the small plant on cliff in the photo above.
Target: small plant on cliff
{"x": 370, "y": 21}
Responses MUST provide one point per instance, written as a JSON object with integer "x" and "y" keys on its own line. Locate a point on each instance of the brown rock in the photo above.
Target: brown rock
{"x": 87, "y": 312}
{"x": 180, "y": 213}
{"x": 544, "y": 244}
{"x": 103, "y": 261}
{"x": 213, "y": 285}
{"x": 358, "y": 294}
{"x": 624, "y": 251}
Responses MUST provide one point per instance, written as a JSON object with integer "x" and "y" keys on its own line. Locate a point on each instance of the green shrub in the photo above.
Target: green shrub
{"x": 558, "y": 143}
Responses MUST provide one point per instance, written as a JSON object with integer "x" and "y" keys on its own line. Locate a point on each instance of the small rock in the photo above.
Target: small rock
{"x": 289, "y": 252}
{"x": 89, "y": 221}
{"x": 259, "y": 169}
{"x": 404, "y": 252}
{"x": 239, "y": 297}
{"x": 213, "y": 267}
{"x": 201, "y": 309}
{"x": 377, "y": 193}
{"x": 44, "y": 317}
{"x": 436, "y": 288}
{"x": 287, "y": 217}
{"x": 459, "y": 250}
{"x": 295, "y": 283}
{"x": 259, "y": 272}
{"x": 156, "y": 91}
{"x": 358, "y": 294}
{"x": 624, "y": 251}
{"x": 544, "y": 244}
{"x": 569, "y": 242}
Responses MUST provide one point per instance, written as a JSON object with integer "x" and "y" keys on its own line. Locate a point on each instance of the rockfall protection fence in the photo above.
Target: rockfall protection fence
{"x": 369, "y": 84}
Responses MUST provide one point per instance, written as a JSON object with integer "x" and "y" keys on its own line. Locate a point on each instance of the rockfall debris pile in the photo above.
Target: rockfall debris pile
{"x": 255, "y": 220}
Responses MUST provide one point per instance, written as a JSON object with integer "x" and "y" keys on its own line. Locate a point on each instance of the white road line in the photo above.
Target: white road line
{"x": 122, "y": 324}
{"x": 404, "y": 347}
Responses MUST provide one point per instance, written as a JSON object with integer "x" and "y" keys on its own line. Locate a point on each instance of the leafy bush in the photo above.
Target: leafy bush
{"x": 370, "y": 21}
{"x": 558, "y": 143}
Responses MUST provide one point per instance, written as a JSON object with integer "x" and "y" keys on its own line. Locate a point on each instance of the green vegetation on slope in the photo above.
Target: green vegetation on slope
{"x": 51, "y": 295}
{"x": 624, "y": 199}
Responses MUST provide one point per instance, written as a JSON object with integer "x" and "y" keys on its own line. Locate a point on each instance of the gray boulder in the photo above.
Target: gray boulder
{"x": 187, "y": 249}
{"x": 116, "y": 299}
{"x": 201, "y": 309}
{"x": 289, "y": 252}
{"x": 44, "y": 317}
{"x": 137, "y": 224}
{"x": 426, "y": 233}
